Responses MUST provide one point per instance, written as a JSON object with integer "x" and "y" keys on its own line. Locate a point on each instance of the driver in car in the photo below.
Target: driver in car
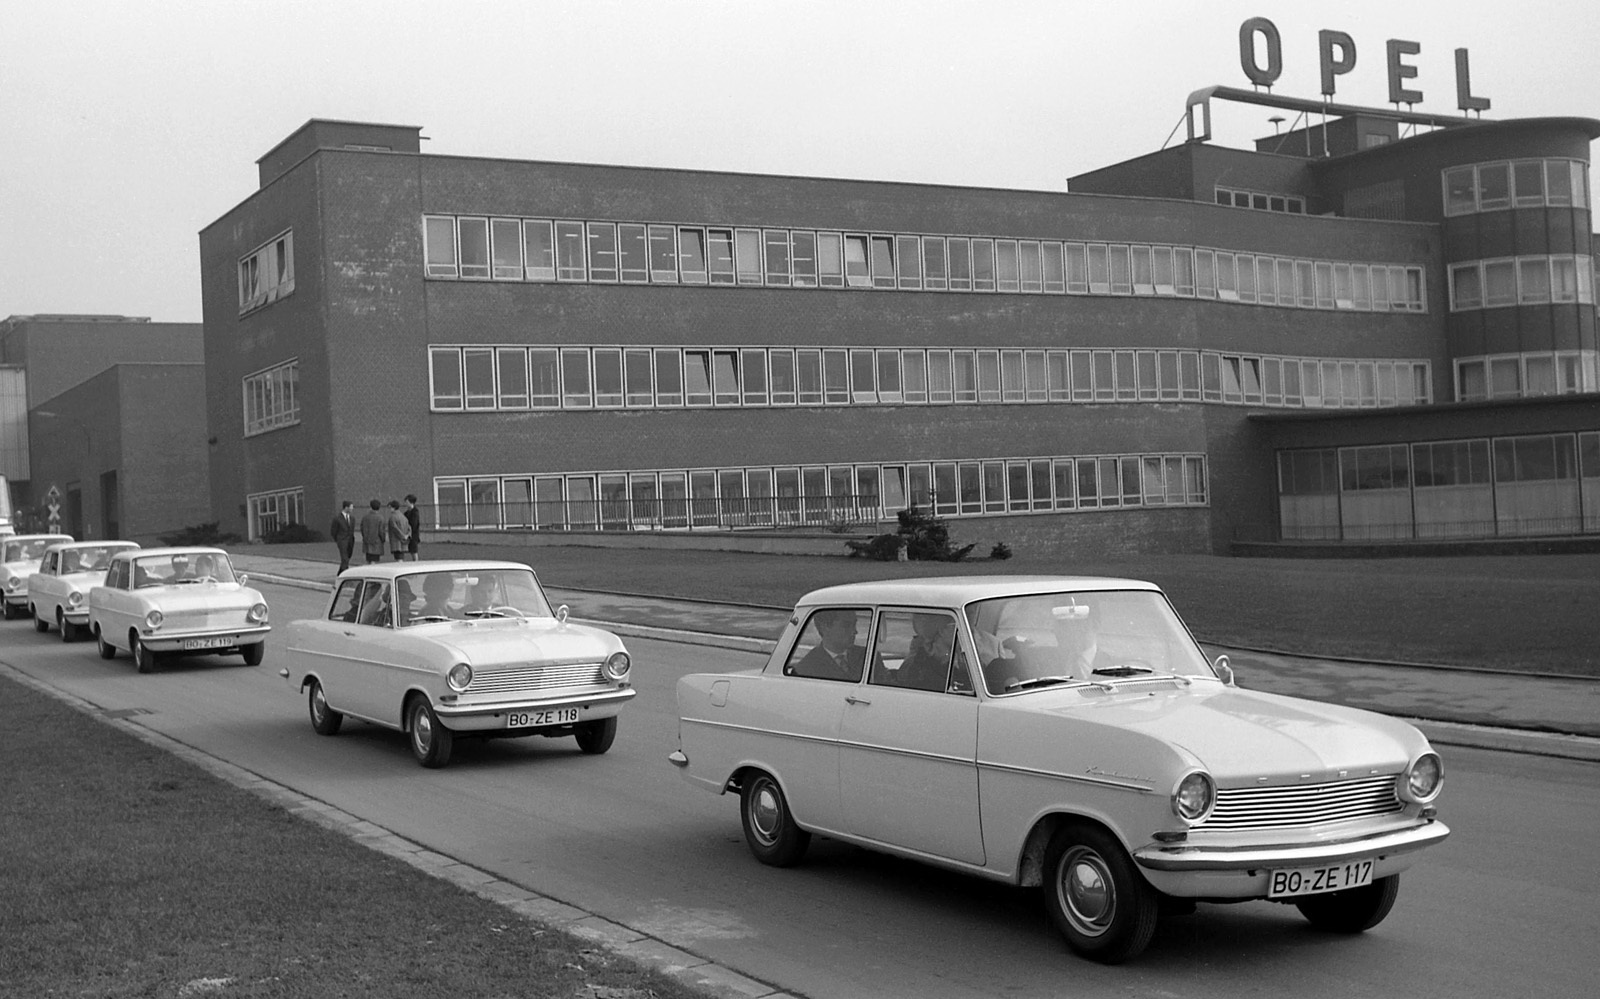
{"x": 1075, "y": 655}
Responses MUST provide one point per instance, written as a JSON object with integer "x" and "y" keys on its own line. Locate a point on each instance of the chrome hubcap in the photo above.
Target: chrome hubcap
{"x": 319, "y": 704}
{"x": 1087, "y": 894}
{"x": 422, "y": 729}
{"x": 765, "y": 812}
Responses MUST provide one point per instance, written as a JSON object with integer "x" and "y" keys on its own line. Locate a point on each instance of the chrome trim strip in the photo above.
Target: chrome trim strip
{"x": 1183, "y": 857}
{"x": 502, "y": 707}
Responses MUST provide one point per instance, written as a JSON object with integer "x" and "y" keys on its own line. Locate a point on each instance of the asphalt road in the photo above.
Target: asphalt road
{"x": 1506, "y": 906}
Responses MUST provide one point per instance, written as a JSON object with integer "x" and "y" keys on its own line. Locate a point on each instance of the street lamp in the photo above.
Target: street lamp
{"x": 88, "y": 445}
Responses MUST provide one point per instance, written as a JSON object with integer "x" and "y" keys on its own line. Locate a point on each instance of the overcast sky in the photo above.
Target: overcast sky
{"x": 129, "y": 126}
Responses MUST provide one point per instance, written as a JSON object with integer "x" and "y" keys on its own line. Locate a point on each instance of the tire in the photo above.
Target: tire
{"x": 69, "y": 631}
{"x": 144, "y": 658}
{"x": 107, "y": 650}
{"x": 431, "y": 742}
{"x": 1352, "y": 910}
{"x": 10, "y": 612}
{"x": 324, "y": 719}
{"x": 40, "y": 626}
{"x": 596, "y": 737}
{"x": 253, "y": 654}
{"x": 769, "y": 828}
{"x": 1096, "y": 897}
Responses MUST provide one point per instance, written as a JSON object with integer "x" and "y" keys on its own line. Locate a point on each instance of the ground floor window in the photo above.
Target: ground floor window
{"x": 272, "y": 512}
{"x": 1535, "y": 484}
{"x": 816, "y": 495}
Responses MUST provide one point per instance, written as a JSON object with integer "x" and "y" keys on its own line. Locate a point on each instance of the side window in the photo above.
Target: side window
{"x": 116, "y": 574}
{"x": 914, "y": 649}
{"x": 50, "y": 563}
{"x": 375, "y": 605}
{"x": 832, "y": 645}
{"x": 346, "y": 602}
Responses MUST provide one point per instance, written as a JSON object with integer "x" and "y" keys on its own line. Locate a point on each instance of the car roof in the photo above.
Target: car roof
{"x": 175, "y": 550}
{"x": 957, "y": 591}
{"x": 393, "y": 570}
{"x": 66, "y": 545}
{"x": 35, "y": 537}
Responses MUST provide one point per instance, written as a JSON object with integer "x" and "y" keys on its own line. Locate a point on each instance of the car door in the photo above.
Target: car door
{"x": 908, "y": 774}
{"x": 112, "y": 605}
{"x": 42, "y": 588}
{"x": 350, "y": 651}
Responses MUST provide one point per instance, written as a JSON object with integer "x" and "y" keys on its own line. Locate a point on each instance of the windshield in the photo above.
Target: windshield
{"x": 427, "y": 597}
{"x": 1041, "y": 640}
{"x": 27, "y": 551}
{"x": 182, "y": 568}
{"x": 93, "y": 559}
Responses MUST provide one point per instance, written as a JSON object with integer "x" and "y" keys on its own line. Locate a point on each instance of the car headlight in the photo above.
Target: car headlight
{"x": 13, "y": 583}
{"x": 617, "y": 666}
{"x": 154, "y": 619}
{"x": 258, "y": 613}
{"x": 1193, "y": 797}
{"x": 1423, "y": 779}
{"x": 74, "y": 598}
{"x": 460, "y": 676}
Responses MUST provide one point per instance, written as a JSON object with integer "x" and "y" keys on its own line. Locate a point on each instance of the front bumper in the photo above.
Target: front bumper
{"x": 76, "y": 615}
{"x": 487, "y": 717}
{"x": 17, "y": 598}
{"x": 1191, "y": 871}
{"x": 174, "y": 641}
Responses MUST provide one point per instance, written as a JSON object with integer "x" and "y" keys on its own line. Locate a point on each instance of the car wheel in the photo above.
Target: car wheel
{"x": 40, "y": 626}
{"x": 1352, "y": 910}
{"x": 253, "y": 654}
{"x": 107, "y": 650}
{"x": 1096, "y": 897}
{"x": 769, "y": 829}
{"x": 144, "y": 657}
{"x": 596, "y": 737}
{"x": 324, "y": 719}
{"x": 69, "y": 631}
{"x": 431, "y": 742}
{"x": 10, "y": 612}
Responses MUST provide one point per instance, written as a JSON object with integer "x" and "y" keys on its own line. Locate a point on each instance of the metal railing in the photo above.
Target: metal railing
{"x": 1432, "y": 530}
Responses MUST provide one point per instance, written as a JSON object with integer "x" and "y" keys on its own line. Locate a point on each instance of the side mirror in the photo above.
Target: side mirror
{"x": 244, "y": 578}
{"x": 1223, "y": 670}
{"x": 561, "y": 614}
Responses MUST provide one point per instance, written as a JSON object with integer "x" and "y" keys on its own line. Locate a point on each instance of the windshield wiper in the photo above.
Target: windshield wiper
{"x": 1122, "y": 670}
{"x": 1038, "y": 681}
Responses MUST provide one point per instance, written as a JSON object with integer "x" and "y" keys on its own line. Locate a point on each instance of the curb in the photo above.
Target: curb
{"x": 641, "y": 948}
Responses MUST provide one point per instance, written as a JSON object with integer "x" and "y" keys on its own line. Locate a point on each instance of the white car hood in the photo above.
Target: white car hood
{"x": 199, "y": 596}
{"x": 1234, "y": 734}
{"x": 487, "y": 642}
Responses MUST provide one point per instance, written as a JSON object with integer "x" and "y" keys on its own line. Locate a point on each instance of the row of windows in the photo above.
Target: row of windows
{"x": 508, "y": 249}
{"x": 1487, "y": 187}
{"x": 1532, "y": 458}
{"x": 487, "y": 378}
{"x": 1512, "y": 376}
{"x": 272, "y": 398}
{"x": 266, "y": 273}
{"x": 1530, "y": 280}
{"x": 818, "y": 494}
{"x": 1261, "y": 201}
{"x": 272, "y": 511}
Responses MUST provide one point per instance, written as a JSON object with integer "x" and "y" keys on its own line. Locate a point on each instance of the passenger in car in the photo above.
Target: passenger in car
{"x": 436, "y": 588}
{"x": 836, "y": 655}
{"x": 927, "y": 664}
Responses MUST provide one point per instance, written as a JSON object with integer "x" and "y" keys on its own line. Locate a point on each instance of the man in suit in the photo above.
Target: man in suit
{"x": 836, "y": 655}
{"x": 374, "y": 532}
{"x": 399, "y": 531}
{"x": 414, "y": 521}
{"x": 343, "y": 533}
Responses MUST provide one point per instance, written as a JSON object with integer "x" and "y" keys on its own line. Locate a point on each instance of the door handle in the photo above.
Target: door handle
{"x": 853, "y": 699}
{"x": 350, "y": 634}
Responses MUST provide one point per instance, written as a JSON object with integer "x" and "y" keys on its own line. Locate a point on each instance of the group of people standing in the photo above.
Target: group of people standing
{"x": 397, "y": 531}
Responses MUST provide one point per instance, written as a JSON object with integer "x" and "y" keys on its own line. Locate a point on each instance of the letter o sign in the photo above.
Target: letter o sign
{"x": 1247, "y": 51}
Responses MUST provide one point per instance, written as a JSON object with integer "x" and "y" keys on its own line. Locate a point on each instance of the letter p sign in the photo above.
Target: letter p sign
{"x": 1329, "y": 42}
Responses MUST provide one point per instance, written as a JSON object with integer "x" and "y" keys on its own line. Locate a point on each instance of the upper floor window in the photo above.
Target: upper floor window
{"x": 272, "y": 398}
{"x": 266, "y": 273}
{"x": 1487, "y": 187}
{"x": 1261, "y": 201}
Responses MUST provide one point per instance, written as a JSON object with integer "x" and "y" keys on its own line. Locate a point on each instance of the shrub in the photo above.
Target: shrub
{"x": 201, "y": 534}
{"x": 1001, "y": 550}
{"x": 927, "y": 539}
{"x": 292, "y": 534}
{"x": 883, "y": 547}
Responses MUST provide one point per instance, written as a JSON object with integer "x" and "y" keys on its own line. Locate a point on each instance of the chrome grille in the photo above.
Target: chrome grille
{"x": 1303, "y": 805}
{"x": 535, "y": 679}
{"x": 204, "y": 619}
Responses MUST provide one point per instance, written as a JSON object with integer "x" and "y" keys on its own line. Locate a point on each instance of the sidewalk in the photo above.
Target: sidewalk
{"x": 1506, "y": 711}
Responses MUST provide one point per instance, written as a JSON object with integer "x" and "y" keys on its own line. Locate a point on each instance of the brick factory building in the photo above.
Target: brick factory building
{"x": 1345, "y": 333}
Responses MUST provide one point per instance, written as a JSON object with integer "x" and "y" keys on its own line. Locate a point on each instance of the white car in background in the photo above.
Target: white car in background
{"x": 20, "y": 555}
{"x": 452, "y": 649}
{"x": 158, "y": 603}
{"x": 58, "y": 593}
